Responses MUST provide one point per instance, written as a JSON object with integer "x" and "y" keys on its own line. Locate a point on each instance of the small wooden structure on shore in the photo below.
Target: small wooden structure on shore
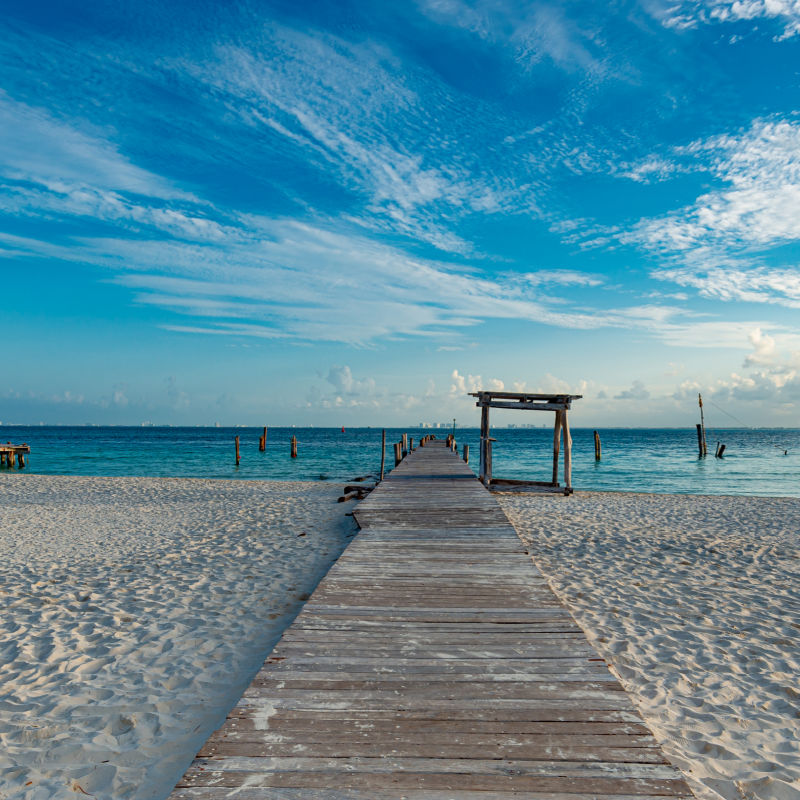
{"x": 8, "y": 452}
{"x": 559, "y": 403}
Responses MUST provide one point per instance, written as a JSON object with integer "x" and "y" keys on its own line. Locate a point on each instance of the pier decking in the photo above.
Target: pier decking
{"x": 433, "y": 661}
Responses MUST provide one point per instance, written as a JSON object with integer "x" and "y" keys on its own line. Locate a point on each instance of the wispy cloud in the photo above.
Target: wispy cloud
{"x": 718, "y": 245}
{"x": 363, "y": 117}
{"x": 37, "y": 147}
{"x": 533, "y": 31}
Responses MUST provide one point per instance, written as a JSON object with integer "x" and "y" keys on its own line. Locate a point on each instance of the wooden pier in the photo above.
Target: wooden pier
{"x": 8, "y": 452}
{"x": 433, "y": 662}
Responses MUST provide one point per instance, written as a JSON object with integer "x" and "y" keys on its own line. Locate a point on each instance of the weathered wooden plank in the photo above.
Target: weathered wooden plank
{"x": 267, "y": 793}
{"x": 433, "y": 662}
{"x": 420, "y": 747}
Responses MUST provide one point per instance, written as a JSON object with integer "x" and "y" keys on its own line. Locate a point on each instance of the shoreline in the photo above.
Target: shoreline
{"x": 333, "y": 481}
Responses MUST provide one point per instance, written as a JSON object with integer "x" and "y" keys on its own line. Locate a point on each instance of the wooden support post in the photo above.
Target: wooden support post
{"x": 262, "y": 442}
{"x": 556, "y": 446}
{"x": 466, "y": 454}
{"x": 398, "y": 452}
{"x": 21, "y": 458}
{"x": 721, "y": 451}
{"x": 704, "y": 445}
{"x": 700, "y": 438}
{"x": 484, "y": 444}
{"x": 294, "y": 447}
{"x": 236, "y": 440}
{"x": 597, "y": 449}
{"x": 422, "y": 441}
{"x": 489, "y": 441}
{"x": 383, "y": 451}
{"x": 2, "y": 458}
{"x": 405, "y": 442}
{"x": 410, "y": 444}
{"x": 567, "y": 454}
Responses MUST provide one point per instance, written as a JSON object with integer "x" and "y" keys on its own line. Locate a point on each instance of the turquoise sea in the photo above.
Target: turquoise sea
{"x": 643, "y": 460}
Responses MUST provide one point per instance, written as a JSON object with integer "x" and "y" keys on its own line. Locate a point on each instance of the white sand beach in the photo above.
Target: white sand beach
{"x": 695, "y": 602}
{"x": 136, "y": 610}
{"x": 134, "y": 613}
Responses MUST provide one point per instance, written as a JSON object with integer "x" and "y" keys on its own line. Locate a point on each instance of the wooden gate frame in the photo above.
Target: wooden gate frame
{"x": 559, "y": 403}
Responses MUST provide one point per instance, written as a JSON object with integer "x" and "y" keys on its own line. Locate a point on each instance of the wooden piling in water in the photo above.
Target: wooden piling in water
{"x": 383, "y": 451}
{"x": 703, "y": 444}
{"x": 700, "y": 439}
{"x": 597, "y": 448}
{"x": 567, "y": 453}
{"x": 262, "y": 442}
{"x": 294, "y": 447}
{"x": 236, "y": 441}
{"x": 398, "y": 453}
{"x": 466, "y": 454}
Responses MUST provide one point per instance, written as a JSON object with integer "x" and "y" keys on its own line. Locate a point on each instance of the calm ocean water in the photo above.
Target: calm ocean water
{"x": 648, "y": 460}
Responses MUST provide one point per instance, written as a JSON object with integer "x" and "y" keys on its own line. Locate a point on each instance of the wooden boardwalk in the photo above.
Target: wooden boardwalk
{"x": 434, "y": 662}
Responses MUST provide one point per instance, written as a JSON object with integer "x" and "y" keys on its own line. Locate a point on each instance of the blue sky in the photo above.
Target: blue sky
{"x": 354, "y": 212}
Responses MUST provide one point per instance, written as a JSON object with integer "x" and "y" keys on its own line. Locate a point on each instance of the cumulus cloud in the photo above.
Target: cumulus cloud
{"x": 473, "y": 383}
{"x": 342, "y": 380}
{"x": 637, "y": 391}
{"x": 764, "y": 349}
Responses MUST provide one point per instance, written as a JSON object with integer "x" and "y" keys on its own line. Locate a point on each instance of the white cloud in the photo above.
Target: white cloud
{"x": 562, "y": 277}
{"x": 717, "y": 244}
{"x": 473, "y": 383}
{"x": 342, "y": 380}
{"x": 758, "y": 204}
{"x": 686, "y": 14}
{"x": 764, "y": 349}
{"x": 37, "y": 147}
{"x": 535, "y": 32}
{"x": 340, "y": 103}
{"x": 637, "y": 391}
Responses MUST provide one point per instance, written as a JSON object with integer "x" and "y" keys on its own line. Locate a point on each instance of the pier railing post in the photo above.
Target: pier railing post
{"x": 567, "y": 454}
{"x": 466, "y": 454}
{"x": 485, "y": 446}
{"x": 556, "y": 446}
{"x": 383, "y": 451}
